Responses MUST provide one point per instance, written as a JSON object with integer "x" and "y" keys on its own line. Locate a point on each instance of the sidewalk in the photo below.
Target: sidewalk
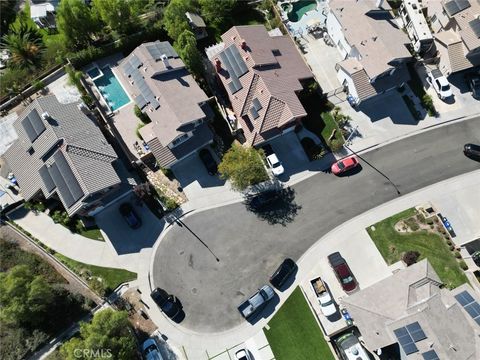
{"x": 447, "y": 196}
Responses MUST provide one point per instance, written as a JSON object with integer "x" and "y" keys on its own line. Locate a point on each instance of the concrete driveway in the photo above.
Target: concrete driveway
{"x": 250, "y": 248}
{"x": 123, "y": 238}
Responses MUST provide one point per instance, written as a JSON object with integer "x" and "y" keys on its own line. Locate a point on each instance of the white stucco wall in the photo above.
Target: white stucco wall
{"x": 344, "y": 77}
{"x": 335, "y": 31}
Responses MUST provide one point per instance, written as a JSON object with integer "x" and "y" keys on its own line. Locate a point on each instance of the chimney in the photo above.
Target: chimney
{"x": 218, "y": 65}
{"x": 165, "y": 61}
{"x": 83, "y": 108}
{"x": 45, "y": 116}
{"x": 380, "y": 3}
{"x": 243, "y": 44}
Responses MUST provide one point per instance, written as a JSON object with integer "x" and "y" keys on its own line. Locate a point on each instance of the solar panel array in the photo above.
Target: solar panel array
{"x": 475, "y": 25}
{"x": 46, "y": 178}
{"x": 471, "y": 306}
{"x": 430, "y": 355}
{"x": 64, "y": 179}
{"x": 407, "y": 337}
{"x": 132, "y": 65}
{"x": 254, "y": 113}
{"x": 235, "y": 66}
{"x": 453, "y": 7}
{"x": 33, "y": 125}
{"x": 256, "y": 104}
{"x": 157, "y": 49}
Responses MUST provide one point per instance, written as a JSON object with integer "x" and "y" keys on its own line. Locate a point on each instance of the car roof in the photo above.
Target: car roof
{"x": 436, "y": 73}
{"x": 273, "y": 158}
{"x": 348, "y": 160}
{"x": 336, "y": 259}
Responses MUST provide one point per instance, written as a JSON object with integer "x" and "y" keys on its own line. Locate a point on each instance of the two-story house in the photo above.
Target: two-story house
{"x": 262, "y": 74}
{"x": 157, "y": 80}
{"x": 373, "y": 47}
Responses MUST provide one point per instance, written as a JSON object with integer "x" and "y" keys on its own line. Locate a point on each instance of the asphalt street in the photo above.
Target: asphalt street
{"x": 250, "y": 247}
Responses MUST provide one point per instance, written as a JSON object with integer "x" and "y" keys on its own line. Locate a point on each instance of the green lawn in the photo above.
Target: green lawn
{"x": 294, "y": 333}
{"x": 93, "y": 234}
{"x": 392, "y": 245}
{"x": 111, "y": 278}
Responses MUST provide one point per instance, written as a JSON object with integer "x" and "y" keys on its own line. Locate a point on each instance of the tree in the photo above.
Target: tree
{"x": 26, "y": 45}
{"x": 24, "y": 297}
{"x": 7, "y": 9}
{"x": 215, "y": 12}
{"x": 77, "y": 23}
{"x": 243, "y": 167}
{"x": 109, "y": 331}
{"x": 411, "y": 257}
{"x": 119, "y": 15}
{"x": 186, "y": 46}
{"x": 174, "y": 19}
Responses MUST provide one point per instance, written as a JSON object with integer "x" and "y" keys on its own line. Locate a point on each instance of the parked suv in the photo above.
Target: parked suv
{"x": 281, "y": 275}
{"x": 440, "y": 84}
{"x": 130, "y": 216}
{"x": 169, "y": 304}
{"x": 343, "y": 272}
{"x": 275, "y": 165}
{"x": 150, "y": 350}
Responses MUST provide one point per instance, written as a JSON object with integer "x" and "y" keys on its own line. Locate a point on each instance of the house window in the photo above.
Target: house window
{"x": 179, "y": 140}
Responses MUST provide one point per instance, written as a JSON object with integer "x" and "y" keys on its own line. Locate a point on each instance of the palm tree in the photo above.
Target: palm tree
{"x": 25, "y": 44}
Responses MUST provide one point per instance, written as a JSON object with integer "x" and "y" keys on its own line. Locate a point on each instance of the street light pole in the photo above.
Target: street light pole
{"x": 374, "y": 168}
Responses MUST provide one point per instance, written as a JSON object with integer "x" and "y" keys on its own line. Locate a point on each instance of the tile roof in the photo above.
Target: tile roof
{"x": 359, "y": 77}
{"x": 274, "y": 70}
{"x": 372, "y": 31}
{"x": 176, "y": 99}
{"x": 70, "y": 156}
{"x": 456, "y": 51}
{"x": 463, "y": 18}
{"x": 412, "y": 295}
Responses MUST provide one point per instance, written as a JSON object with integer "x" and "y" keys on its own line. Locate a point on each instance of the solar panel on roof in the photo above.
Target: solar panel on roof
{"x": 410, "y": 348}
{"x": 416, "y": 332}
{"x": 33, "y": 125}
{"x": 464, "y": 298}
{"x": 155, "y": 104}
{"x": 67, "y": 184}
{"x": 475, "y": 25}
{"x": 471, "y": 306}
{"x": 128, "y": 69}
{"x": 254, "y": 113}
{"x": 430, "y": 355}
{"x": 463, "y": 4}
{"x": 405, "y": 338}
{"x": 473, "y": 309}
{"x": 256, "y": 104}
{"x": 46, "y": 178}
{"x": 451, "y": 7}
{"x": 140, "y": 101}
{"x": 135, "y": 62}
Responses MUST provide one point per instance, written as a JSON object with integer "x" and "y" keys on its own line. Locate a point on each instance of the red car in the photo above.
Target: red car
{"x": 343, "y": 272}
{"x": 344, "y": 164}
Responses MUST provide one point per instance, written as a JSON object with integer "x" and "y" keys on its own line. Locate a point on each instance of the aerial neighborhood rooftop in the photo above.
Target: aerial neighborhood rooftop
{"x": 248, "y": 180}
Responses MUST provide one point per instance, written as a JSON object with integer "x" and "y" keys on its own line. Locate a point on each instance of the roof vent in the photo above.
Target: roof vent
{"x": 45, "y": 115}
{"x": 218, "y": 64}
{"x": 165, "y": 61}
{"x": 243, "y": 44}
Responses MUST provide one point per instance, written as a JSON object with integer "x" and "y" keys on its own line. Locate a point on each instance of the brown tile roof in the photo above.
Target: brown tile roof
{"x": 455, "y": 51}
{"x": 274, "y": 70}
{"x": 359, "y": 77}
{"x": 373, "y": 33}
{"x": 463, "y": 19}
{"x": 176, "y": 91}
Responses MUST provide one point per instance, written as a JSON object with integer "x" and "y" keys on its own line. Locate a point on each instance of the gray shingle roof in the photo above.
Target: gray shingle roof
{"x": 70, "y": 157}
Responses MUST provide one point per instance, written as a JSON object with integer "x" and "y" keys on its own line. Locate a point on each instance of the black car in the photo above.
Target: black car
{"x": 472, "y": 150}
{"x": 283, "y": 272}
{"x": 208, "y": 161}
{"x": 130, "y": 216}
{"x": 473, "y": 81}
{"x": 258, "y": 202}
{"x": 169, "y": 304}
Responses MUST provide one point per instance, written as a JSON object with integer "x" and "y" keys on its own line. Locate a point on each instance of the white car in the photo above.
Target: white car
{"x": 440, "y": 84}
{"x": 326, "y": 304}
{"x": 243, "y": 354}
{"x": 275, "y": 165}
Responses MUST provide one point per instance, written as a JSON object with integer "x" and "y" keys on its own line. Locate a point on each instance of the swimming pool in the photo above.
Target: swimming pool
{"x": 109, "y": 87}
{"x": 296, "y": 10}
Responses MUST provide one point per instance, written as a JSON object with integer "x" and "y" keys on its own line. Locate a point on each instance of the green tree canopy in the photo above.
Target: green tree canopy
{"x": 186, "y": 46}
{"x": 7, "y": 9}
{"x": 174, "y": 19}
{"x": 243, "y": 166}
{"x": 24, "y": 297}
{"x": 25, "y": 43}
{"x": 215, "y": 12}
{"x": 120, "y": 15}
{"x": 77, "y": 23}
{"x": 108, "y": 330}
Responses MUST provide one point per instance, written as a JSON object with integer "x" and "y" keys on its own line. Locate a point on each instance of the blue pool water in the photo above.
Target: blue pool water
{"x": 111, "y": 89}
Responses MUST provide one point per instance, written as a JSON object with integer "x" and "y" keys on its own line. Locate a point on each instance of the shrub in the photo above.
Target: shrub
{"x": 458, "y": 255}
{"x": 463, "y": 265}
{"x": 432, "y": 226}
{"x": 421, "y": 218}
{"x": 410, "y": 257}
{"x": 88, "y": 100}
{"x": 449, "y": 243}
{"x": 430, "y": 221}
{"x": 167, "y": 172}
{"x": 170, "y": 204}
{"x": 38, "y": 85}
{"x": 412, "y": 224}
{"x": 142, "y": 116}
{"x": 137, "y": 131}
{"x": 61, "y": 217}
{"x": 335, "y": 145}
{"x": 427, "y": 103}
{"x": 452, "y": 247}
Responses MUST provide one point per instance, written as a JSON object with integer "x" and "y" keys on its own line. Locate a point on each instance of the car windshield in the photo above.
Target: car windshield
{"x": 167, "y": 306}
{"x": 328, "y": 303}
{"x": 151, "y": 348}
{"x": 275, "y": 165}
{"x": 347, "y": 280}
{"x": 341, "y": 165}
{"x": 445, "y": 87}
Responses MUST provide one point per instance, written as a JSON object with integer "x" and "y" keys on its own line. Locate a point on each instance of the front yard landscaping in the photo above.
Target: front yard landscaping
{"x": 409, "y": 231}
{"x": 102, "y": 280}
{"x": 294, "y": 334}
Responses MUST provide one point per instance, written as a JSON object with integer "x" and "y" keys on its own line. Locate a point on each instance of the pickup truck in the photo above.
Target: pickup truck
{"x": 324, "y": 299}
{"x": 256, "y": 301}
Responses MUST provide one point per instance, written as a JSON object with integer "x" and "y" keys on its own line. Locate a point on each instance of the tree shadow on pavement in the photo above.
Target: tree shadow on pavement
{"x": 281, "y": 210}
